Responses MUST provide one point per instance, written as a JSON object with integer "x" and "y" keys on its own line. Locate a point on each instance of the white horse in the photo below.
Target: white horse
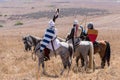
{"x": 83, "y": 49}
{"x": 65, "y": 51}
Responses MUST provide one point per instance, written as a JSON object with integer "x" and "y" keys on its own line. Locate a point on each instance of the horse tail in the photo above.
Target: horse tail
{"x": 108, "y": 52}
{"x": 70, "y": 49}
{"x": 91, "y": 55}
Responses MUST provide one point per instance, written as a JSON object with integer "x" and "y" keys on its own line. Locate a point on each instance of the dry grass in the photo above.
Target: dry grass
{"x": 16, "y": 64}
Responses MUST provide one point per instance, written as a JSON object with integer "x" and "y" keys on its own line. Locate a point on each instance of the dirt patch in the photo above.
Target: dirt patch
{"x": 64, "y": 12}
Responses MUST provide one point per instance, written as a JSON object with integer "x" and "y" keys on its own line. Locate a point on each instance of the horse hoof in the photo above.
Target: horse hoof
{"x": 61, "y": 73}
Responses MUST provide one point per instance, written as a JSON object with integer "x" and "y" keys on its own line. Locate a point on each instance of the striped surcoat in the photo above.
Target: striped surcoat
{"x": 49, "y": 35}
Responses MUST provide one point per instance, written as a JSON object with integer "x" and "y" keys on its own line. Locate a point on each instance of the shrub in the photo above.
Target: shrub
{"x": 1, "y": 25}
{"x": 18, "y": 23}
{"x": 5, "y": 15}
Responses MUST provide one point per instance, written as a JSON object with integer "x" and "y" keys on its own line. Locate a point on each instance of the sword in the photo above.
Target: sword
{"x": 53, "y": 48}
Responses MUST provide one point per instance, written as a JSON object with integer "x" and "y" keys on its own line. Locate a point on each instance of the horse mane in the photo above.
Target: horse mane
{"x": 35, "y": 39}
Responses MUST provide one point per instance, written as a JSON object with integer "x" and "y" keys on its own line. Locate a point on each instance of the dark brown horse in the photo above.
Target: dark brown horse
{"x": 103, "y": 48}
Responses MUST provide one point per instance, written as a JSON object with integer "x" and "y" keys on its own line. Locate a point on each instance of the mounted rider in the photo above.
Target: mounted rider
{"x": 92, "y": 33}
{"x": 74, "y": 32}
{"x": 49, "y": 36}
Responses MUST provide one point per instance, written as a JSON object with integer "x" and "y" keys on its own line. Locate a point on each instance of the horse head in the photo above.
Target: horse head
{"x": 30, "y": 41}
{"x": 27, "y": 43}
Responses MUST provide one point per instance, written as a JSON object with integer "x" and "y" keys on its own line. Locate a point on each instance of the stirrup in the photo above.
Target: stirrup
{"x": 46, "y": 58}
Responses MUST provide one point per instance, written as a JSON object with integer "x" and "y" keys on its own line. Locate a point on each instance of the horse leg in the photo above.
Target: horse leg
{"x": 82, "y": 61}
{"x": 43, "y": 67}
{"x": 39, "y": 62}
{"x": 85, "y": 61}
{"x": 69, "y": 65}
{"x": 103, "y": 63}
{"x": 64, "y": 64}
{"x": 33, "y": 58}
{"x": 77, "y": 60}
{"x": 93, "y": 65}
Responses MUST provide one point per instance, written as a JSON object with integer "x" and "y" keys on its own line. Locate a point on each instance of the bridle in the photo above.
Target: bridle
{"x": 28, "y": 41}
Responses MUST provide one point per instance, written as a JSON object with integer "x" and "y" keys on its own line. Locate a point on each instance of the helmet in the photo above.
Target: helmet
{"x": 51, "y": 23}
{"x": 75, "y": 22}
{"x": 90, "y": 25}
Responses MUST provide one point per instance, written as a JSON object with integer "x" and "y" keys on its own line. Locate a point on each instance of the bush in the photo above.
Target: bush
{"x": 5, "y": 15}
{"x": 1, "y": 25}
{"x": 51, "y": 5}
{"x": 18, "y": 23}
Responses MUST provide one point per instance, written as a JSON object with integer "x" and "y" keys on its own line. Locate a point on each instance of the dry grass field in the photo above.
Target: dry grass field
{"x": 16, "y": 64}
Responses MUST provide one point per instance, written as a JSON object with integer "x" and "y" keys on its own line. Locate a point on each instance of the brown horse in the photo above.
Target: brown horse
{"x": 103, "y": 48}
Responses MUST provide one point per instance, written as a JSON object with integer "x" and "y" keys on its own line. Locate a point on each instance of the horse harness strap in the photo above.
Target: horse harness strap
{"x": 53, "y": 46}
{"x": 77, "y": 44}
{"x": 28, "y": 41}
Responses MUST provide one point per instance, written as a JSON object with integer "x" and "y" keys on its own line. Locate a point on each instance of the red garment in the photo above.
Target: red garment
{"x": 92, "y": 34}
{"x": 92, "y": 37}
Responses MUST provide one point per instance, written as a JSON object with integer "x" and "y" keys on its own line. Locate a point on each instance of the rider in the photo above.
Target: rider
{"x": 73, "y": 33}
{"x": 49, "y": 36}
{"x": 91, "y": 26}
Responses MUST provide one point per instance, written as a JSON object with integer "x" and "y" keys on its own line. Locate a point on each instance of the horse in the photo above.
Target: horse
{"x": 82, "y": 49}
{"x": 102, "y": 47}
{"x": 30, "y": 42}
{"x": 104, "y": 50}
{"x": 65, "y": 51}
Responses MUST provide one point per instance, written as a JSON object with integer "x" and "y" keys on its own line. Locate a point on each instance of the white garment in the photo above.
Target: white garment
{"x": 56, "y": 44}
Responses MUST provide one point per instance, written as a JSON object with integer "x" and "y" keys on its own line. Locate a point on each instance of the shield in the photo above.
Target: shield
{"x": 92, "y": 34}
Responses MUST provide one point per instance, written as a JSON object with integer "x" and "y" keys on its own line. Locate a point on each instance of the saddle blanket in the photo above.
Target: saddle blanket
{"x": 84, "y": 43}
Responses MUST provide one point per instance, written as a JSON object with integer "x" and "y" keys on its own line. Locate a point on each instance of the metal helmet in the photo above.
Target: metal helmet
{"x": 90, "y": 25}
